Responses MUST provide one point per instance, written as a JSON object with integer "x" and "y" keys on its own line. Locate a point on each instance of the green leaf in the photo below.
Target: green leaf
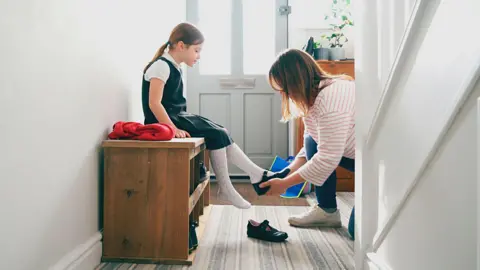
{"x": 344, "y": 18}
{"x": 335, "y": 2}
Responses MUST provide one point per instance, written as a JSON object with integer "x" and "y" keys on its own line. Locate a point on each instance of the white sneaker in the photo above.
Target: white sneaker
{"x": 316, "y": 217}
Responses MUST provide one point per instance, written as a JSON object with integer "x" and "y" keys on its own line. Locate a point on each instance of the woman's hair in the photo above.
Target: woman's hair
{"x": 185, "y": 32}
{"x": 297, "y": 76}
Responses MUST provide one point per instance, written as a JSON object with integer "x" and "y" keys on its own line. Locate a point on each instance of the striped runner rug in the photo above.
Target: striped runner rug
{"x": 225, "y": 244}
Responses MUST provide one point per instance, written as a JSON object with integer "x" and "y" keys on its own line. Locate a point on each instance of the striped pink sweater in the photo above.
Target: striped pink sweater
{"x": 331, "y": 123}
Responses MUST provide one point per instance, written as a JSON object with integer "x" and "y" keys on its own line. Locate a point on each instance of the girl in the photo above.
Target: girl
{"x": 327, "y": 104}
{"x": 163, "y": 102}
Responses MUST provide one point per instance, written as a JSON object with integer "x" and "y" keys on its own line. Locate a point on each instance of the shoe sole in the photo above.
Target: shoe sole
{"x": 323, "y": 225}
{"x": 275, "y": 241}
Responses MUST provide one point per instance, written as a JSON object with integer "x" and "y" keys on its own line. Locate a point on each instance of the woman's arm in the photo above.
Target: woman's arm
{"x": 333, "y": 133}
{"x": 296, "y": 164}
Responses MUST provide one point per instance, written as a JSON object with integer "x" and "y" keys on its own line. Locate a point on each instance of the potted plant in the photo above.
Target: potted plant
{"x": 319, "y": 52}
{"x": 337, "y": 39}
{"x": 339, "y": 17}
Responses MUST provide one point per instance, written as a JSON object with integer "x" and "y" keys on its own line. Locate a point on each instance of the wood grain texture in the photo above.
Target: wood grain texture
{"x": 126, "y": 180}
{"x": 190, "y": 143}
{"x": 147, "y": 195}
{"x": 174, "y": 205}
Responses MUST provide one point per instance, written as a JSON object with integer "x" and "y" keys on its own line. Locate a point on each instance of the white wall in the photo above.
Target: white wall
{"x": 377, "y": 41}
{"x": 437, "y": 229}
{"x": 430, "y": 233}
{"x": 68, "y": 71}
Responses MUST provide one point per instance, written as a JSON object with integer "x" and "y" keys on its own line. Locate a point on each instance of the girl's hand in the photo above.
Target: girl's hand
{"x": 181, "y": 133}
{"x": 277, "y": 186}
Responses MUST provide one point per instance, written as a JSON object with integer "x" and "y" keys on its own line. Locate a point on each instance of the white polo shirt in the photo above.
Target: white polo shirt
{"x": 160, "y": 69}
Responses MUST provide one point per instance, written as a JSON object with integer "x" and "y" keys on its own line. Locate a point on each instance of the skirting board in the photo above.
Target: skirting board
{"x": 478, "y": 183}
{"x": 84, "y": 256}
{"x": 374, "y": 262}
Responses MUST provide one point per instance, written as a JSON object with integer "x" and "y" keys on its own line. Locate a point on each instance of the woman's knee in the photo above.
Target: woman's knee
{"x": 310, "y": 146}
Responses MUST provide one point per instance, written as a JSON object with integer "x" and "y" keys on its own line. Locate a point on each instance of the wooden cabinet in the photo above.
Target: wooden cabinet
{"x": 338, "y": 67}
{"x": 152, "y": 192}
{"x": 346, "y": 179}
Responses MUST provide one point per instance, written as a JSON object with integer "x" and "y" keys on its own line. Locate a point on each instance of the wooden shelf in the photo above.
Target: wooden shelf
{"x": 191, "y": 257}
{"x": 151, "y": 196}
{"x": 192, "y": 201}
{"x": 200, "y": 232}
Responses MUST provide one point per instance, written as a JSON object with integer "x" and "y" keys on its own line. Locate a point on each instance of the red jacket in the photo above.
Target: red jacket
{"x": 137, "y": 131}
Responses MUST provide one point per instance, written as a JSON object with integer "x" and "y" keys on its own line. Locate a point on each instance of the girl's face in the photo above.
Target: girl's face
{"x": 192, "y": 54}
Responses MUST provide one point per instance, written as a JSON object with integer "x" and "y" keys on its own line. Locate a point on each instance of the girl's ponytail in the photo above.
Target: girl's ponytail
{"x": 159, "y": 53}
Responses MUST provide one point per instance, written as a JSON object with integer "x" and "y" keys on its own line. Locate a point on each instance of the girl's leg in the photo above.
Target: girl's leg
{"x": 216, "y": 140}
{"x": 257, "y": 174}
{"x": 216, "y": 137}
{"x": 236, "y": 156}
{"x": 226, "y": 191}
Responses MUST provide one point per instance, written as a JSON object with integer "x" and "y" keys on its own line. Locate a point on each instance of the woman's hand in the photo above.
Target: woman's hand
{"x": 181, "y": 133}
{"x": 277, "y": 186}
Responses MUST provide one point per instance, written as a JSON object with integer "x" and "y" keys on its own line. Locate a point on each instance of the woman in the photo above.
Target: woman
{"x": 327, "y": 104}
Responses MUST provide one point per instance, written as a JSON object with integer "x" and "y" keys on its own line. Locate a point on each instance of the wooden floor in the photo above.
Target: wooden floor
{"x": 249, "y": 194}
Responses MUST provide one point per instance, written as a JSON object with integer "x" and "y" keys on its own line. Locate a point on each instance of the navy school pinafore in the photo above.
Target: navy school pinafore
{"x": 216, "y": 136}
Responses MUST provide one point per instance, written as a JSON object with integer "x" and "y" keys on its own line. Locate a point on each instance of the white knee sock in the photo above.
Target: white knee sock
{"x": 226, "y": 191}
{"x": 238, "y": 157}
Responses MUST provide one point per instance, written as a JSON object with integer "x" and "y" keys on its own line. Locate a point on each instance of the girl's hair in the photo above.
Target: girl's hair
{"x": 297, "y": 76}
{"x": 185, "y": 32}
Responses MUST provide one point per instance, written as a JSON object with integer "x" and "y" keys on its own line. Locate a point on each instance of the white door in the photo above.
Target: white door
{"x": 229, "y": 85}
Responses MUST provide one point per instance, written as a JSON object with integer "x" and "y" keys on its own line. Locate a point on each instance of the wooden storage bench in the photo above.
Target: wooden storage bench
{"x": 149, "y": 198}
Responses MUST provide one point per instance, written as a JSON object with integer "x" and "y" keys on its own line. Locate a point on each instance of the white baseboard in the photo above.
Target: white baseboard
{"x": 478, "y": 183}
{"x": 375, "y": 262}
{"x": 85, "y": 256}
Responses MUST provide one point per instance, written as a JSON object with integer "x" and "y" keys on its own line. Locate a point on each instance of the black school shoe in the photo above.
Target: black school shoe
{"x": 264, "y": 231}
{"x": 192, "y": 239}
{"x": 261, "y": 191}
{"x": 203, "y": 173}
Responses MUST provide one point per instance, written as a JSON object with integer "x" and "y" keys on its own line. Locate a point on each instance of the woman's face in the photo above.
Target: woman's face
{"x": 276, "y": 86}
